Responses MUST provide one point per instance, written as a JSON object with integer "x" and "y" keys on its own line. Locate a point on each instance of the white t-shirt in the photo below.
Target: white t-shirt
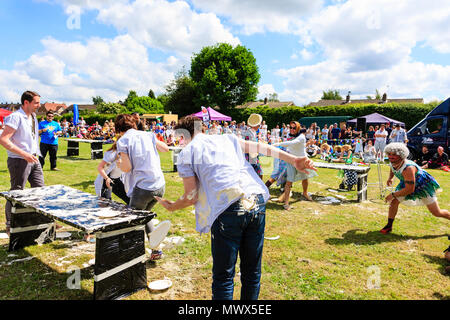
{"x": 297, "y": 146}
{"x": 276, "y": 132}
{"x": 381, "y": 139}
{"x": 146, "y": 173}
{"x": 23, "y": 137}
{"x": 309, "y": 134}
{"x": 223, "y": 174}
{"x": 111, "y": 169}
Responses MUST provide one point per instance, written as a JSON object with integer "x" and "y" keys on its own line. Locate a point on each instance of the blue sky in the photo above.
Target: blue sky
{"x": 302, "y": 47}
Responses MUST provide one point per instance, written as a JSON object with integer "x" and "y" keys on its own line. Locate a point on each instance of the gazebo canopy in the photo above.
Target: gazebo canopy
{"x": 4, "y": 113}
{"x": 213, "y": 115}
{"x": 376, "y": 118}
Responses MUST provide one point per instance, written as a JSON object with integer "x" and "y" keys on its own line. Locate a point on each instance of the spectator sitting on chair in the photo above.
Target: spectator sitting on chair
{"x": 438, "y": 161}
{"x": 311, "y": 148}
{"x": 370, "y": 154}
{"x": 424, "y": 156}
{"x": 345, "y": 155}
{"x": 325, "y": 151}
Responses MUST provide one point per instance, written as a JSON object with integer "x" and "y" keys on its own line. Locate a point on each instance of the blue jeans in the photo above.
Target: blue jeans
{"x": 234, "y": 232}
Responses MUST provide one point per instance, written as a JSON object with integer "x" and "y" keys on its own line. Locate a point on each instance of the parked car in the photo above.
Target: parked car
{"x": 433, "y": 131}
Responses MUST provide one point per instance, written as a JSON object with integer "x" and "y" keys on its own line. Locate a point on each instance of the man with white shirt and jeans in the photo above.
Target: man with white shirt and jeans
{"x": 380, "y": 142}
{"x": 20, "y": 138}
{"x": 230, "y": 201}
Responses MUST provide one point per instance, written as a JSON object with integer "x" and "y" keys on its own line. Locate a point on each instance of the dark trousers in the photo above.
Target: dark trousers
{"x": 52, "y": 149}
{"x": 117, "y": 188}
{"x": 20, "y": 171}
{"x": 145, "y": 200}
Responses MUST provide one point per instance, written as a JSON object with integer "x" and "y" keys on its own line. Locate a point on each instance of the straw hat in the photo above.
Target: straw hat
{"x": 254, "y": 120}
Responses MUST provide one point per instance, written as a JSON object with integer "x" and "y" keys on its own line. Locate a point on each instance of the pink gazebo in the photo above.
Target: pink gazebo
{"x": 213, "y": 115}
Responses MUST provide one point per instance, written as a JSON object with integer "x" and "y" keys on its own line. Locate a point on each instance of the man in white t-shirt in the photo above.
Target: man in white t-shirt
{"x": 380, "y": 141}
{"x": 20, "y": 138}
{"x": 229, "y": 200}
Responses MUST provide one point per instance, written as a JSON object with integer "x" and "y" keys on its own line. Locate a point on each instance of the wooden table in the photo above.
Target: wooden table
{"x": 362, "y": 173}
{"x": 120, "y": 240}
{"x": 73, "y": 147}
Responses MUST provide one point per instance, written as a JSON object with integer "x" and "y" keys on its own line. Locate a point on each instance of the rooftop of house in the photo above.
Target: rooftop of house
{"x": 348, "y": 100}
{"x": 270, "y": 104}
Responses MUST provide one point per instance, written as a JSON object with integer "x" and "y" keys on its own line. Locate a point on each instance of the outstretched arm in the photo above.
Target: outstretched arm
{"x": 301, "y": 163}
{"x": 189, "y": 197}
{"x": 161, "y": 146}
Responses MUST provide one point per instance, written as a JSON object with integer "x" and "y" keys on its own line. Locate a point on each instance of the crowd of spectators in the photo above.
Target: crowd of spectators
{"x": 336, "y": 143}
{"x": 333, "y": 143}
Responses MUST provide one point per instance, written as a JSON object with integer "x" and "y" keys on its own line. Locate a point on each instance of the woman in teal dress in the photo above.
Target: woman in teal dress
{"x": 416, "y": 187}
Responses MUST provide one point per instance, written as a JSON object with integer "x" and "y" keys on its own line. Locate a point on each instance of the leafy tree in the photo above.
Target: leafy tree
{"x": 110, "y": 108}
{"x": 331, "y": 95}
{"x": 224, "y": 76}
{"x": 151, "y": 94}
{"x": 273, "y": 97}
{"x": 377, "y": 95}
{"x": 144, "y": 105}
{"x": 97, "y": 100}
{"x": 180, "y": 95}
{"x": 131, "y": 95}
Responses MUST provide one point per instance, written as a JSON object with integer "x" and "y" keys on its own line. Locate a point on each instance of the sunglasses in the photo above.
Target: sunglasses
{"x": 292, "y": 128}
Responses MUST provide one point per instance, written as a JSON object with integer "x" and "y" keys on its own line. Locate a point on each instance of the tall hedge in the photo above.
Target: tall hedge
{"x": 90, "y": 118}
{"x": 409, "y": 113}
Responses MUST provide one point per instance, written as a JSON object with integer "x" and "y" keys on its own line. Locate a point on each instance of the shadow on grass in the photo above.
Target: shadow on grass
{"x": 83, "y": 184}
{"x": 442, "y": 262}
{"x": 74, "y": 158}
{"x": 374, "y": 237}
{"x": 32, "y": 279}
{"x": 440, "y": 296}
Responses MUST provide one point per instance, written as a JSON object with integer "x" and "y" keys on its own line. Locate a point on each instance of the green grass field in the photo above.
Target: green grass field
{"x": 324, "y": 251}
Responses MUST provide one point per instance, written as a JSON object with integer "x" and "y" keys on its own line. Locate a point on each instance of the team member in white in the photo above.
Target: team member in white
{"x": 139, "y": 159}
{"x": 229, "y": 200}
{"x": 20, "y": 138}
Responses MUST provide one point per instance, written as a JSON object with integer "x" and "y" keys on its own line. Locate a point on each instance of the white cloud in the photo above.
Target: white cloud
{"x": 378, "y": 34}
{"x": 74, "y": 72}
{"x": 405, "y": 80}
{"x": 255, "y": 16}
{"x": 168, "y": 26}
{"x": 366, "y": 45}
{"x": 264, "y": 91}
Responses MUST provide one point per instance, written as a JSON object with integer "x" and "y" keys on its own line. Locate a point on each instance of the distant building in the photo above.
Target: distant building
{"x": 58, "y": 108}
{"x": 348, "y": 100}
{"x": 81, "y": 107}
{"x": 10, "y": 106}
